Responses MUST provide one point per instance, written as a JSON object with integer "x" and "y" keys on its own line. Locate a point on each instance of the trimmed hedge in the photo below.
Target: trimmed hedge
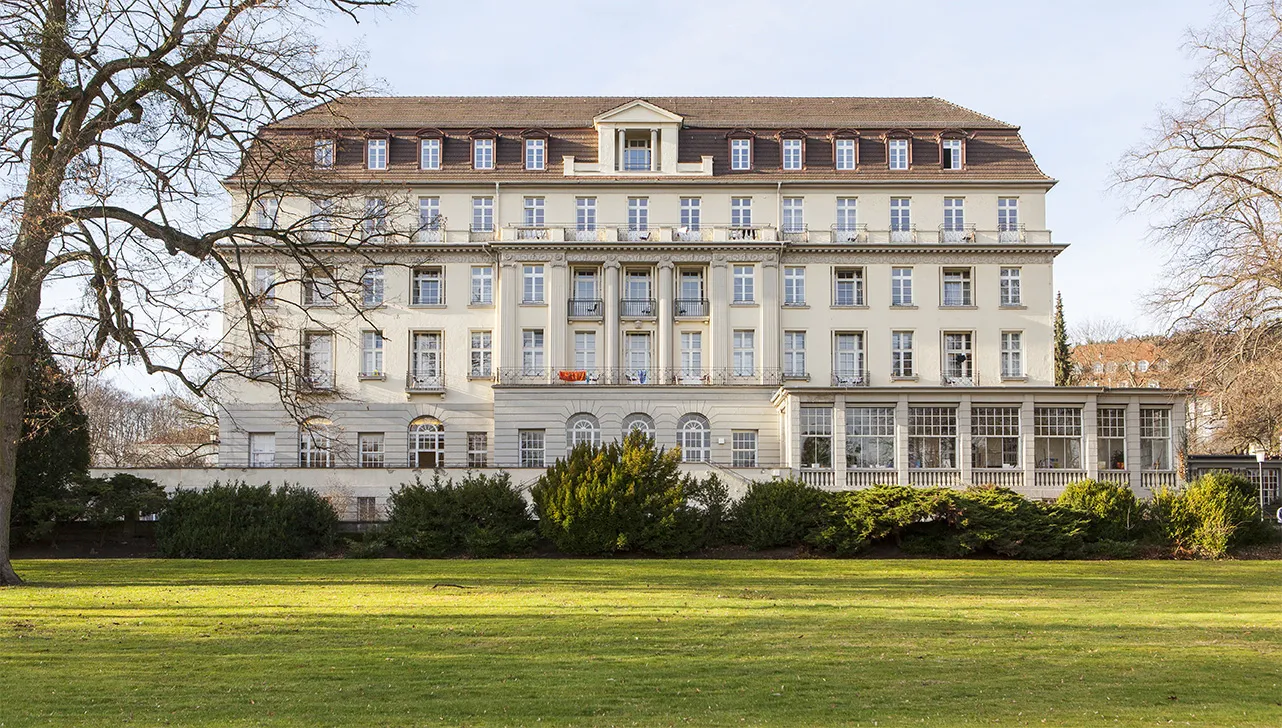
{"x": 483, "y": 516}
{"x": 238, "y": 521}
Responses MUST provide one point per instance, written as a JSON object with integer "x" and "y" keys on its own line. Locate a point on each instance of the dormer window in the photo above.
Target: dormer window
{"x": 535, "y": 153}
{"x": 951, "y": 153}
{"x": 483, "y": 153}
{"x": 793, "y": 152}
{"x": 740, "y": 154}
{"x": 636, "y": 152}
{"x": 843, "y": 152}
{"x": 429, "y": 154}
{"x": 376, "y": 154}
{"x": 897, "y": 153}
{"x": 323, "y": 153}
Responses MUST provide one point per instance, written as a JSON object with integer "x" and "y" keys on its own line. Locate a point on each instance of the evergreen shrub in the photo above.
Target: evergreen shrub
{"x": 239, "y": 521}
{"x": 482, "y": 516}
{"x": 777, "y": 513}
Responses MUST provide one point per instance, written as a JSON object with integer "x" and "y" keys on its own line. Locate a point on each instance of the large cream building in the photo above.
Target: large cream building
{"x": 851, "y": 290}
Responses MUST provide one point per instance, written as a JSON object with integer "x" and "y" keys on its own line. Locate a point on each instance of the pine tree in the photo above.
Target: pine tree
{"x": 1063, "y": 361}
{"x": 54, "y": 447}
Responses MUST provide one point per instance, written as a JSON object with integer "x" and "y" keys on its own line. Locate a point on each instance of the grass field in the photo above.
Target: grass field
{"x": 568, "y": 642}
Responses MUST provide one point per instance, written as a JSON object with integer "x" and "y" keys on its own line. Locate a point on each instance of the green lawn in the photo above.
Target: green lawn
{"x": 570, "y": 642}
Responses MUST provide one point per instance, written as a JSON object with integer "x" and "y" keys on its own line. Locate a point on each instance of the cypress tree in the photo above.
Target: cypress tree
{"x": 55, "y": 442}
{"x": 1063, "y": 360}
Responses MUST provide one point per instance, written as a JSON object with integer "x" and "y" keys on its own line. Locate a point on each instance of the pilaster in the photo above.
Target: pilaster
{"x": 664, "y": 364}
{"x": 610, "y": 298}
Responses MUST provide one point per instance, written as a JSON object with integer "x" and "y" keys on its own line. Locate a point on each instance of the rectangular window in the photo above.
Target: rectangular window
{"x": 691, "y": 290}
{"x": 585, "y": 350}
{"x": 1012, "y": 354}
{"x": 901, "y": 354}
{"x": 794, "y": 354}
{"x": 870, "y": 437}
{"x": 637, "y": 357}
{"x": 534, "y": 153}
{"x": 740, "y": 154}
{"x": 957, "y": 287}
{"x": 264, "y": 284}
{"x": 743, "y": 448}
{"x": 375, "y": 217}
{"x": 794, "y": 285}
{"x": 265, "y": 212}
{"x": 741, "y": 212}
{"x": 1057, "y": 433}
{"x": 429, "y": 154}
{"x": 366, "y": 509}
{"x": 691, "y": 214}
{"x": 530, "y": 448}
{"x": 482, "y": 285}
{"x": 1011, "y": 295}
{"x": 792, "y": 153}
{"x": 846, "y": 229}
{"x": 994, "y": 437}
{"x": 585, "y": 214}
{"x": 637, "y": 155}
{"x": 425, "y": 358}
{"x": 848, "y": 287}
{"x": 429, "y": 218}
{"x": 901, "y": 218}
{"x": 844, "y": 154}
{"x": 954, "y": 214}
{"x": 692, "y": 356}
{"x": 263, "y": 364}
{"x": 848, "y": 358}
{"x": 951, "y": 150}
{"x": 323, "y": 153}
{"x": 321, "y": 225}
{"x": 370, "y": 447}
{"x": 932, "y": 437}
{"x": 478, "y": 450}
{"x": 372, "y": 354}
{"x": 1155, "y": 439}
{"x": 638, "y": 213}
{"x": 481, "y": 355}
{"x": 638, "y": 293}
{"x": 744, "y": 282}
{"x": 532, "y": 351}
{"x": 483, "y": 154}
{"x": 427, "y": 287}
{"x": 586, "y": 290}
{"x": 1111, "y": 446}
{"x": 532, "y": 212}
{"x": 376, "y": 153}
{"x": 482, "y": 214}
{"x": 318, "y": 360}
{"x": 901, "y": 286}
{"x": 1008, "y": 214}
{"x": 318, "y": 288}
{"x": 262, "y": 449}
{"x": 532, "y": 287}
{"x": 794, "y": 215}
{"x": 897, "y": 151}
{"x": 816, "y": 437}
{"x": 372, "y": 286}
{"x": 745, "y": 352}
{"x": 958, "y": 359}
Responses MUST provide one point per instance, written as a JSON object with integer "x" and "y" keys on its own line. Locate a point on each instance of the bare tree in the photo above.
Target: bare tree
{"x": 1099, "y": 330}
{"x": 120, "y": 124}
{"x": 1211, "y": 176}
{"x": 1236, "y": 383}
{"x": 163, "y": 430}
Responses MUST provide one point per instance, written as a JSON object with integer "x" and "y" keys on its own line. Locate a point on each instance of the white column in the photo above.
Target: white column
{"x": 1090, "y": 430}
{"x": 611, "y": 323}
{"x": 839, "y": 463}
{"x": 654, "y": 150}
{"x": 719, "y": 315}
{"x": 769, "y": 353}
{"x": 963, "y": 438}
{"x": 558, "y": 317}
{"x": 1028, "y": 442}
{"x": 619, "y": 151}
{"x": 1133, "y": 468}
{"x": 664, "y": 365}
{"x": 901, "y": 439}
{"x": 508, "y": 338}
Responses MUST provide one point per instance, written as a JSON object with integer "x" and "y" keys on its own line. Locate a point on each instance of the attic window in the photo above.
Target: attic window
{"x": 897, "y": 153}
{"x": 793, "y": 152}
{"x": 376, "y": 153}
{"x": 483, "y": 153}
{"x": 951, "y": 153}
{"x": 844, "y": 151}
{"x": 323, "y": 153}
{"x": 740, "y": 154}
{"x": 429, "y": 153}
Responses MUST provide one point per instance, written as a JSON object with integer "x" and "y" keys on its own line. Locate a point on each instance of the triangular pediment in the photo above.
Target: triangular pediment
{"x": 638, "y": 112}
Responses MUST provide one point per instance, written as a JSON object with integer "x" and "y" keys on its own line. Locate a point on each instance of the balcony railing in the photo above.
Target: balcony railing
{"x": 316, "y": 381}
{"x": 1000, "y": 477}
{"x": 691, "y": 234}
{"x": 430, "y": 235}
{"x": 635, "y": 376}
{"x": 850, "y": 233}
{"x": 531, "y": 232}
{"x": 850, "y": 379}
{"x": 638, "y": 308}
{"x": 903, "y": 235}
{"x": 477, "y": 234}
{"x": 1057, "y": 478}
{"x": 822, "y": 478}
{"x": 638, "y": 234}
{"x": 690, "y": 308}
{"x": 869, "y": 477}
{"x": 750, "y": 232}
{"x": 586, "y": 308}
{"x": 934, "y": 477}
{"x": 961, "y": 380}
{"x": 593, "y": 234}
{"x": 1153, "y": 479}
{"x": 956, "y": 233}
{"x": 794, "y": 234}
{"x": 421, "y": 381}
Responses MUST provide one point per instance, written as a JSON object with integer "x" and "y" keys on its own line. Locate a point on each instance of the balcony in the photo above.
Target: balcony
{"x": 956, "y": 233}
{"x": 857, "y": 478}
{"x": 645, "y": 376}
{"x": 424, "y": 381}
{"x": 586, "y": 234}
{"x": 694, "y": 234}
{"x": 750, "y": 232}
{"x": 1057, "y": 478}
{"x": 794, "y": 234}
{"x": 934, "y": 477}
{"x": 638, "y": 308}
{"x": 637, "y": 234}
{"x": 1000, "y": 477}
{"x": 821, "y": 478}
{"x": 430, "y": 234}
{"x": 850, "y": 379}
{"x": 690, "y": 308}
{"x": 531, "y": 232}
{"x": 849, "y": 233}
{"x": 480, "y": 234}
{"x": 586, "y": 309}
{"x": 316, "y": 380}
{"x": 1154, "y": 479}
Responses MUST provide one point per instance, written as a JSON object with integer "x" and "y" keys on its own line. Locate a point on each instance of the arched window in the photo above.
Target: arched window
{"x": 638, "y": 421}
{"x": 694, "y": 438}
{"x": 314, "y": 441}
{"x": 582, "y": 429}
{"x": 427, "y": 443}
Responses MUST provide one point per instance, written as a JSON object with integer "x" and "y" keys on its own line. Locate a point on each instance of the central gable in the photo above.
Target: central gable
{"x": 637, "y": 112}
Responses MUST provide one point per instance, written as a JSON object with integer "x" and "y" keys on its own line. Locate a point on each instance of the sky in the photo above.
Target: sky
{"x": 1083, "y": 80}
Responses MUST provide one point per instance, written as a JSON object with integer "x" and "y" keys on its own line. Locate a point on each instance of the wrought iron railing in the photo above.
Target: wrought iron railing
{"x": 586, "y": 308}
{"x": 850, "y": 379}
{"x": 857, "y": 233}
{"x": 956, "y": 233}
{"x": 638, "y": 308}
{"x": 424, "y": 381}
{"x": 690, "y": 308}
{"x": 574, "y": 376}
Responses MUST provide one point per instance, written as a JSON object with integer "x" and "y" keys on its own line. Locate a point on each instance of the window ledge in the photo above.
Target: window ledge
{"x": 479, "y": 377}
{"x": 903, "y": 307}
{"x": 481, "y": 305}
{"x": 910, "y": 378}
{"x": 428, "y": 305}
{"x": 796, "y": 305}
{"x": 743, "y": 304}
{"x": 1021, "y": 378}
{"x": 797, "y": 377}
{"x": 372, "y": 306}
{"x": 320, "y": 305}
{"x": 1013, "y": 306}
{"x": 534, "y": 304}
{"x": 856, "y": 306}
{"x": 945, "y": 307}
{"x": 372, "y": 377}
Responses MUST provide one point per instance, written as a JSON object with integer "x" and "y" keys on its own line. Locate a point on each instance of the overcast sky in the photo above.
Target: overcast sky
{"x": 1083, "y": 79}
